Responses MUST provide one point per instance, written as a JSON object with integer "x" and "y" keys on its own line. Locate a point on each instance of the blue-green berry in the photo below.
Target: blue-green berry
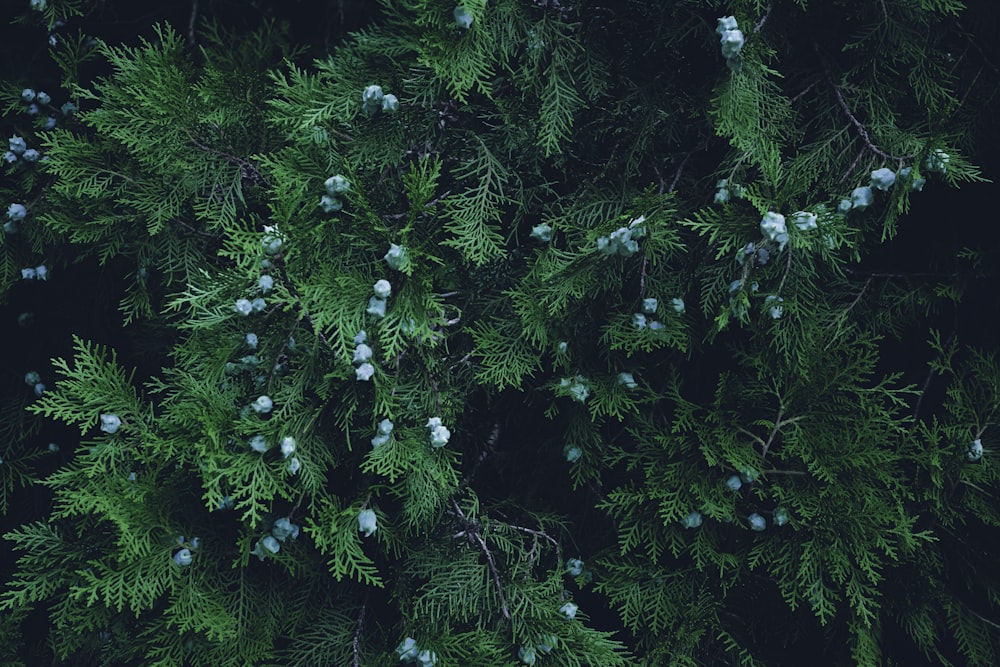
{"x": 243, "y": 306}
{"x": 574, "y": 566}
{"x": 862, "y": 198}
{"x": 569, "y": 610}
{"x": 259, "y": 444}
{"x": 110, "y": 422}
{"x": 364, "y": 372}
{"x": 390, "y": 104}
{"x": 376, "y": 307}
{"x": 396, "y": 258}
{"x": 330, "y": 204}
{"x": 975, "y": 450}
{"x": 183, "y": 557}
{"x": 463, "y": 19}
{"x": 780, "y": 516}
{"x": 734, "y": 483}
{"x": 263, "y": 404}
{"x": 367, "y": 522}
{"x": 883, "y": 179}
{"x": 542, "y": 232}
{"x": 804, "y": 221}
{"x": 757, "y": 522}
{"x": 382, "y": 289}
{"x": 407, "y": 649}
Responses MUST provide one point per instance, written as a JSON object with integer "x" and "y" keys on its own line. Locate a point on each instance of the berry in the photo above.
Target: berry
{"x": 294, "y": 465}
{"x": 270, "y": 544}
{"x": 882, "y": 179}
{"x": 258, "y": 304}
{"x": 628, "y": 380}
{"x": 287, "y": 446}
{"x": 542, "y": 232}
{"x": 364, "y": 372}
{"x": 639, "y": 321}
{"x": 569, "y": 610}
{"x": 440, "y": 436}
{"x": 804, "y": 220}
{"x": 243, "y": 306}
{"x": 396, "y": 258}
{"x": 975, "y": 450}
{"x": 367, "y": 522}
{"x": 734, "y": 483}
{"x": 757, "y": 522}
{"x": 677, "y": 304}
{"x": 862, "y": 198}
{"x": 28, "y": 95}
{"x": 183, "y": 557}
{"x": 251, "y": 340}
{"x": 772, "y": 225}
{"x": 362, "y": 353}
{"x": 259, "y": 444}
{"x": 573, "y": 454}
{"x": 43, "y": 98}
{"x": 372, "y": 95}
{"x": 330, "y": 204}
{"x": 376, "y": 307}
{"x": 692, "y": 520}
{"x": 68, "y": 108}
{"x": 780, "y": 516}
{"x": 110, "y": 423}
{"x": 263, "y": 404}
{"x": 390, "y": 104}
{"x": 526, "y": 654}
{"x": 16, "y": 212}
{"x": 382, "y": 289}
{"x": 574, "y": 566}
{"x": 31, "y": 378}
{"x": 462, "y": 18}
{"x": 407, "y": 649}
{"x": 17, "y": 144}
{"x": 385, "y": 427}
{"x": 283, "y": 528}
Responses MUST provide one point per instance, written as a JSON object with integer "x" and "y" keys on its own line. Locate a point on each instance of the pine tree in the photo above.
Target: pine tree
{"x": 504, "y": 333}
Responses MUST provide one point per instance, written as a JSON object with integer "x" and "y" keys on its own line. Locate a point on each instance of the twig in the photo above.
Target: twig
{"x": 927, "y": 381}
{"x": 858, "y": 125}
{"x": 191, "y": 21}
{"x": 356, "y": 643}
{"x": 763, "y": 19}
{"x": 473, "y": 534}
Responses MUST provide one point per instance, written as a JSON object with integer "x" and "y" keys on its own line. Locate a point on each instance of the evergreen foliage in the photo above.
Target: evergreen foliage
{"x": 633, "y": 394}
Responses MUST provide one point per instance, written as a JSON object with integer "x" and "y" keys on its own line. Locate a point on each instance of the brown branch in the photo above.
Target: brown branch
{"x": 473, "y": 534}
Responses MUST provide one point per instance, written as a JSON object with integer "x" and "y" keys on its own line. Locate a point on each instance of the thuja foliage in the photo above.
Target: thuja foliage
{"x": 505, "y": 333}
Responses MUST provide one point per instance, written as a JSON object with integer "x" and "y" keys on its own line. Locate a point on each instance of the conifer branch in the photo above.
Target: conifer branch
{"x": 471, "y": 532}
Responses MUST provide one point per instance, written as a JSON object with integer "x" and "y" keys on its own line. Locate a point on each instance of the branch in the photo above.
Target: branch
{"x": 356, "y": 642}
{"x": 473, "y": 534}
{"x": 859, "y": 126}
{"x": 763, "y": 19}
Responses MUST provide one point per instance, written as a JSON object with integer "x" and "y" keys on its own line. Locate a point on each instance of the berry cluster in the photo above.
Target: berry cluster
{"x": 731, "y": 40}
{"x": 622, "y": 240}
{"x": 439, "y": 434}
{"x": 373, "y": 99}
{"x": 362, "y": 357}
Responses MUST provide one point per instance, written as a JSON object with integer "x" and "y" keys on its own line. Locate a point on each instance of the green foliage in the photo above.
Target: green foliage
{"x": 581, "y": 352}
